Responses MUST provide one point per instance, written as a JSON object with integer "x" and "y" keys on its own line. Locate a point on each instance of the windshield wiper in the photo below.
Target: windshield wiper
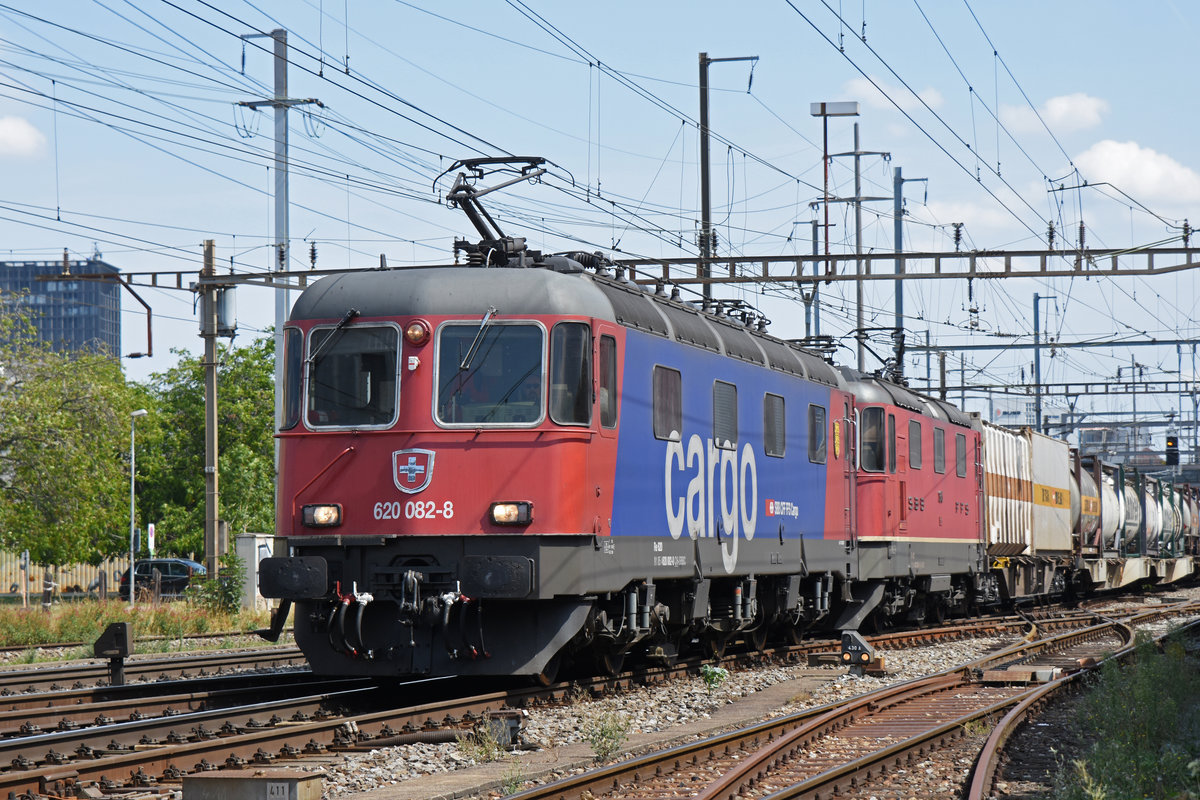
{"x": 333, "y": 335}
{"x": 466, "y": 362}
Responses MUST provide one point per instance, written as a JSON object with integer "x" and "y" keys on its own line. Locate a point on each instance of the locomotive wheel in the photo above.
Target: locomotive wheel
{"x": 935, "y": 611}
{"x": 757, "y": 638}
{"x": 610, "y": 661}
{"x": 791, "y": 634}
{"x": 549, "y": 673}
{"x": 713, "y": 644}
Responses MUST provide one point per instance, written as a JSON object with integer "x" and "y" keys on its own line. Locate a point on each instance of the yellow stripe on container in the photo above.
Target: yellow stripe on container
{"x": 1050, "y": 496}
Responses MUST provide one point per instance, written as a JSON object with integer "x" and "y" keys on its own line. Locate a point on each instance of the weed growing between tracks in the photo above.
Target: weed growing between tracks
{"x": 606, "y": 732}
{"x": 1143, "y": 722}
{"x": 84, "y": 622}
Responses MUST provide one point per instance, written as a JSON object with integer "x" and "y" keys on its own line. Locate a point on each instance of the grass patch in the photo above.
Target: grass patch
{"x": 513, "y": 779}
{"x": 978, "y": 727}
{"x": 84, "y": 621}
{"x": 606, "y": 732}
{"x": 481, "y": 744}
{"x": 1142, "y": 722}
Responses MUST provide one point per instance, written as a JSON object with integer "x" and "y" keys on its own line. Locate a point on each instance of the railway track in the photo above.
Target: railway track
{"x": 838, "y": 750}
{"x": 51, "y": 677}
{"x": 181, "y": 732}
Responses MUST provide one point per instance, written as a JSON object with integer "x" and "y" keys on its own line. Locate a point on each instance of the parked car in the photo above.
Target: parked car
{"x": 175, "y": 572}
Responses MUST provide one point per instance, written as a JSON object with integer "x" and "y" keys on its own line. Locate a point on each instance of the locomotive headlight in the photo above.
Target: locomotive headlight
{"x": 520, "y": 513}
{"x": 417, "y": 332}
{"x": 322, "y": 516}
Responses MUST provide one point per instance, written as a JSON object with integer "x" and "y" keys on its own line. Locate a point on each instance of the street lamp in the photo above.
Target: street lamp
{"x": 133, "y": 415}
{"x": 825, "y": 111}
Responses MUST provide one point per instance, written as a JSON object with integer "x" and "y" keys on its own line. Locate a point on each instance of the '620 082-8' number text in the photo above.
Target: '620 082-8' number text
{"x": 414, "y": 509}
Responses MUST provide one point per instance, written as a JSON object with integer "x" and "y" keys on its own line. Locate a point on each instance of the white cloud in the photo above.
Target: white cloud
{"x": 19, "y": 138}
{"x": 1144, "y": 173}
{"x": 864, "y": 90}
{"x": 1064, "y": 114}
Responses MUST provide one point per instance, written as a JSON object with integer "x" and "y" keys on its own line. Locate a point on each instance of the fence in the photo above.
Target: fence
{"x": 68, "y": 579}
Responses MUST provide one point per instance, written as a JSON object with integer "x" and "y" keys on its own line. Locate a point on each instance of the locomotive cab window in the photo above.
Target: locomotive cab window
{"x": 571, "y": 374}
{"x": 608, "y": 381}
{"x": 939, "y": 451}
{"x": 490, "y": 374}
{"x": 816, "y": 434}
{"x": 725, "y": 423}
{"x": 352, "y": 376}
{"x": 871, "y": 442}
{"x": 891, "y": 442}
{"x": 774, "y": 430}
{"x": 668, "y": 404}
{"x": 914, "y": 444}
{"x": 960, "y": 454}
{"x": 293, "y": 374}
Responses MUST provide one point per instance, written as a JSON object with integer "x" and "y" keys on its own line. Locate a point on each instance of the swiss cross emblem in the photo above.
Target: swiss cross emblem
{"x": 412, "y": 469}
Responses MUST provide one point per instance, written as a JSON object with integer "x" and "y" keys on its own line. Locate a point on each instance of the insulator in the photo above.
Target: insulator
{"x": 312, "y": 255}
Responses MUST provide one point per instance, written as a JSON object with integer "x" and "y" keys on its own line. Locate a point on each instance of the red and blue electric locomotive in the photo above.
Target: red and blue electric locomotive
{"x": 493, "y": 468}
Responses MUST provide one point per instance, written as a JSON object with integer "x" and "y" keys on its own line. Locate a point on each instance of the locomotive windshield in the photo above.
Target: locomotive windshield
{"x": 502, "y": 381}
{"x": 352, "y": 376}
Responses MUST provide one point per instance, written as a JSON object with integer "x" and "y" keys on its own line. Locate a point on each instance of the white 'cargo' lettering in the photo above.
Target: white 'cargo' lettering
{"x": 718, "y": 481}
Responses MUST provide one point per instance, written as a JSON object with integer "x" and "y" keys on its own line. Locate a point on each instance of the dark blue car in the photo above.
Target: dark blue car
{"x": 175, "y": 572}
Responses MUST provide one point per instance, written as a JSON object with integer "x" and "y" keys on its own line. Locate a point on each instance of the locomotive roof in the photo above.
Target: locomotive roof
{"x": 451, "y": 290}
{"x": 869, "y": 389}
{"x": 457, "y": 290}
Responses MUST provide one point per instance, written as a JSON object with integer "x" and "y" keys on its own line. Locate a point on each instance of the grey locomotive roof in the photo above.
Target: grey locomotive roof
{"x": 869, "y": 389}
{"x": 451, "y": 290}
{"x": 458, "y": 290}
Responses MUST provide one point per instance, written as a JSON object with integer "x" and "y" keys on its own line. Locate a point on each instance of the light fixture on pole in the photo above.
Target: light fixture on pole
{"x": 133, "y": 415}
{"x": 825, "y": 111}
{"x": 707, "y": 250}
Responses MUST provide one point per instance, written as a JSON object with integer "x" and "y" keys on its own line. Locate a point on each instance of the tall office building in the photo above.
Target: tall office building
{"x": 70, "y": 313}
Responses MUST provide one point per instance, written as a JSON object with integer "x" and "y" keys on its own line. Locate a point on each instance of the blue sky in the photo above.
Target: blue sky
{"x": 119, "y": 131}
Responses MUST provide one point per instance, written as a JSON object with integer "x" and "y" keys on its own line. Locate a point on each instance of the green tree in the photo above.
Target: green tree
{"x": 64, "y": 447}
{"x": 172, "y": 496}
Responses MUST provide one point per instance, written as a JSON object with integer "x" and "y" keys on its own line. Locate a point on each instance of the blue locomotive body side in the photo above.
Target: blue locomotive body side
{"x": 691, "y": 485}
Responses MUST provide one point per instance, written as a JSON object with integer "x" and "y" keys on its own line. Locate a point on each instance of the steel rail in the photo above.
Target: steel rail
{"x": 985, "y": 771}
{"x": 147, "y": 692}
{"x": 30, "y": 721}
{"x": 797, "y": 728}
{"x": 236, "y": 745}
{"x": 42, "y": 677}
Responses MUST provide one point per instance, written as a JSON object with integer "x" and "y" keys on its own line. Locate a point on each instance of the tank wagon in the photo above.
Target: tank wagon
{"x": 493, "y": 468}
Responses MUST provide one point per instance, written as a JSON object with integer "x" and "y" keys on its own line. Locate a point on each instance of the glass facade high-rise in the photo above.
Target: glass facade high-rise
{"x": 70, "y": 312}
